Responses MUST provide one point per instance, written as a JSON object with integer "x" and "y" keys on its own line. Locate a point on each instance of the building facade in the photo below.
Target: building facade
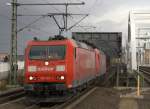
{"x": 138, "y": 45}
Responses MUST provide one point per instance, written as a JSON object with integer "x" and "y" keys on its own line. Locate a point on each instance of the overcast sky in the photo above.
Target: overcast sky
{"x": 105, "y": 15}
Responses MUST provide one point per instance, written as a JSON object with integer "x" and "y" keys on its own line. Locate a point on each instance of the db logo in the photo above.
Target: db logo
{"x": 45, "y": 69}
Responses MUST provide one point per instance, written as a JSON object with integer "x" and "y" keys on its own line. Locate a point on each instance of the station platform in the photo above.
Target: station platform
{"x": 110, "y": 98}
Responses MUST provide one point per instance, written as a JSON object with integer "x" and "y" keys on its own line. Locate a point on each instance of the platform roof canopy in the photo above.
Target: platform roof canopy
{"x": 108, "y": 42}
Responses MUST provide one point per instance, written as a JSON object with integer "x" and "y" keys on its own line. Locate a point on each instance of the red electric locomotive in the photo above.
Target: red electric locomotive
{"x": 59, "y": 66}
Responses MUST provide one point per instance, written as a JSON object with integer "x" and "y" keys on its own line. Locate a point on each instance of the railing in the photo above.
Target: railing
{"x": 144, "y": 72}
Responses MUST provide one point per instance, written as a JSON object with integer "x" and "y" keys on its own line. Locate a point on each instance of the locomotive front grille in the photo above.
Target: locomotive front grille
{"x": 46, "y": 87}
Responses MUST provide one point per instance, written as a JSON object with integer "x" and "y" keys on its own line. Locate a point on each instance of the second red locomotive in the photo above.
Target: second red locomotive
{"x": 60, "y": 66}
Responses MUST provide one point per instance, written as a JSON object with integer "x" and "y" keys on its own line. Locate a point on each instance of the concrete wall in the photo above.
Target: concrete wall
{"x": 4, "y": 69}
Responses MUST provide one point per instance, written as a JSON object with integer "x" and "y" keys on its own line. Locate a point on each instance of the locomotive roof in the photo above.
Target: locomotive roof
{"x": 55, "y": 42}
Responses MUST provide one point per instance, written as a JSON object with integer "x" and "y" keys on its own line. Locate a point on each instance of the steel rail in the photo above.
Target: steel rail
{"x": 11, "y": 95}
{"x": 75, "y": 99}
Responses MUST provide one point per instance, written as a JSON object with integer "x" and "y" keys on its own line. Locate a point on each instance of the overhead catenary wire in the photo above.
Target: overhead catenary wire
{"x": 48, "y": 4}
{"x": 35, "y": 28}
{"x": 84, "y": 27}
{"x": 69, "y": 15}
{"x": 63, "y": 4}
{"x": 76, "y": 21}
{"x": 25, "y": 27}
{"x": 31, "y": 23}
{"x": 32, "y": 26}
{"x": 56, "y": 10}
{"x": 79, "y": 25}
{"x": 54, "y": 7}
{"x": 36, "y": 20}
{"x": 90, "y": 9}
{"x": 60, "y": 11}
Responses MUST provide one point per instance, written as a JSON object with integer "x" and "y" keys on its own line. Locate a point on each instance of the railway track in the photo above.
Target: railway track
{"x": 71, "y": 102}
{"x": 18, "y": 104}
{"x": 68, "y": 104}
{"x": 11, "y": 95}
{"x": 145, "y": 72}
{"x": 76, "y": 99}
{"x": 13, "y": 99}
{"x": 18, "y": 101}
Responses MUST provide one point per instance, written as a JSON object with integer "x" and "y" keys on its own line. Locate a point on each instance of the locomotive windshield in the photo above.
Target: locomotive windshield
{"x": 48, "y": 52}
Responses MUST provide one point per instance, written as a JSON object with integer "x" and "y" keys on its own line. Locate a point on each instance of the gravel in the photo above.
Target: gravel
{"x": 101, "y": 98}
{"x": 109, "y": 98}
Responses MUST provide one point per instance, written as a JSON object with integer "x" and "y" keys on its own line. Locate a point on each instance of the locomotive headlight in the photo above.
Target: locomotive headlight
{"x": 46, "y": 63}
{"x": 30, "y": 78}
{"x": 62, "y": 77}
{"x": 32, "y": 68}
{"x": 60, "y": 68}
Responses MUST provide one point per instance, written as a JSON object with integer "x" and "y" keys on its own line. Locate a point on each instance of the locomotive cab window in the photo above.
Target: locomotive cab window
{"x": 48, "y": 52}
{"x": 38, "y": 52}
{"x": 56, "y": 52}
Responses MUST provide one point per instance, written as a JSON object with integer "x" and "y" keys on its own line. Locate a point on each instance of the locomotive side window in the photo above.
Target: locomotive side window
{"x": 47, "y": 52}
{"x": 75, "y": 53}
